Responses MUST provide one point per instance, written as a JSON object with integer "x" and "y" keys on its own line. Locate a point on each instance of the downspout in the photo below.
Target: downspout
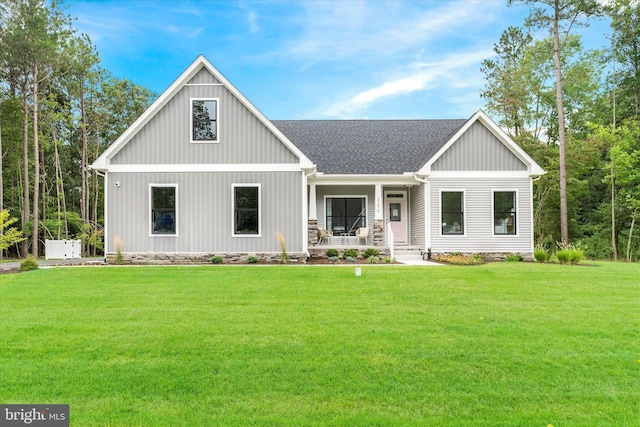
{"x": 104, "y": 175}
{"x": 532, "y": 218}
{"x": 427, "y": 213}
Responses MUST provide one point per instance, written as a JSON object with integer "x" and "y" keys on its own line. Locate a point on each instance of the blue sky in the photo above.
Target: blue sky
{"x": 314, "y": 59}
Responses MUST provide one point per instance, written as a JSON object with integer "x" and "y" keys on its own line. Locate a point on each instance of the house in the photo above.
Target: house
{"x": 202, "y": 171}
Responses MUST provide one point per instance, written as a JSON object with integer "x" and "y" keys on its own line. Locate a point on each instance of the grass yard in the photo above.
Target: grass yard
{"x": 503, "y": 344}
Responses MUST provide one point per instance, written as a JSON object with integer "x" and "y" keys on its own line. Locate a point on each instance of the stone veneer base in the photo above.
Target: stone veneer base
{"x": 182, "y": 258}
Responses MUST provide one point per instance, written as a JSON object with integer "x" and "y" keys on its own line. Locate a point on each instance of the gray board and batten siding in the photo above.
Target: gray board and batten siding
{"x": 417, "y": 215}
{"x": 478, "y": 150}
{"x": 166, "y": 138}
{"x": 204, "y": 212}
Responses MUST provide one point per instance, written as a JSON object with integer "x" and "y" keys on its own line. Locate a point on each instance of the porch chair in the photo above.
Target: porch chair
{"x": 324, "y": 234}
{"x": 362, "y": 233}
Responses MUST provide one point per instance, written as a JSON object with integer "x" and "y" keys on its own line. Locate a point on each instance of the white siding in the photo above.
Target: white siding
{"x": 418, "y": 212}
{"x": 478, "y": 216}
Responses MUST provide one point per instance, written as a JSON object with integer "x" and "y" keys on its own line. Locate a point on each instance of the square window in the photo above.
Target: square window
{"x": 204, "y": 120}
{"x": 452, "y": 204}
{"x": 163, "y": 210}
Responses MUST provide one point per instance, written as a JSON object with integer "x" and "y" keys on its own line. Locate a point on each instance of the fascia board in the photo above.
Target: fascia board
{"x": 532, "y": 167}
{"x": 322, "y": 179}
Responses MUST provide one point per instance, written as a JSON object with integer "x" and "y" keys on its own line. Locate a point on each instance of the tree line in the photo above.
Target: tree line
{"x": 58, "y": 111}
{"x": 577, "y": 112}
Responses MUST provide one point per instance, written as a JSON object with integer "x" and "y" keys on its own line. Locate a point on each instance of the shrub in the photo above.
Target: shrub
{"x": 569, "y": 254}
{"x": 373, "y": 259}
{"x": 514, "y": 258}
{"x": 350, "y": 253}
{"x": 252, "y": 260}
{"x": 458, "y": 258}
{"x": 389, "y": 260}
{"x": 371, "y": 252}
{"x": 30, "y": 263}
{"x": 350, "y": 259}
{"x": 333, "y": 258}
{"x": 540, "y": 254}
{"x": 217, "y": 259}
{"x": 332, "y": 253}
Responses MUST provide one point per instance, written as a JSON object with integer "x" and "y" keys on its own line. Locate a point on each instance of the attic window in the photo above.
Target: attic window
{"x": 204, "y": 120}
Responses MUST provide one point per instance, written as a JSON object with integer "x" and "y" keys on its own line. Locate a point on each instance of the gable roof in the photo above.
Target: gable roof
{"x": 102, "y": 162}
{"x": 369, "y": 147}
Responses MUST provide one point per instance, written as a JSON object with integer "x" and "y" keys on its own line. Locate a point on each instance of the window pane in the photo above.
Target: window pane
{"x": 246, "y": 210}
{"x": 205, "y": 120}
{"x": 504, "y": 212}
{"x": 346, "y": 214}
{"x": 452, "y": 212}
{"x": 163, "y": 210}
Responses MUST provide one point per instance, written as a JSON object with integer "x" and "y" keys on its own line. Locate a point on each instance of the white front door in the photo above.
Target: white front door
{"x": 396, "y": 214}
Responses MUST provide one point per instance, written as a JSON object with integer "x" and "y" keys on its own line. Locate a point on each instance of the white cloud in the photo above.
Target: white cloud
{"x": 252, "y": 21}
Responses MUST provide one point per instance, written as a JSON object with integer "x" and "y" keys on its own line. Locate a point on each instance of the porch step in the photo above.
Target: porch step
{"x": 411, "y": 255}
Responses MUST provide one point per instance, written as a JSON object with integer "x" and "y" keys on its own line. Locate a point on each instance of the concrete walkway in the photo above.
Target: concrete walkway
{"x": 415, "y": 259}
{"x": 11, "y": 265}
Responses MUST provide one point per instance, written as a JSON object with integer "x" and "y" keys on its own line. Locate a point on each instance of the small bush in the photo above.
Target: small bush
{"x": 373, "y": 259}
{"x": 389, "y": 260}
{"x": 252, "y": 260}
{"x": 350, "y": 253}
{"x": 30, "y": 263}
{"x": 540, "y": 254}
{"x": 217, "y": 259}
{"x": 458, "y": 258}
{"x": 569, "y": 254}
{"x": 371, "y": 252}
{"x": 332, "y": 253}
{"x": 350, "y": 259}
{"x": 514, "y": 258}
{"x": 333, "y": 258}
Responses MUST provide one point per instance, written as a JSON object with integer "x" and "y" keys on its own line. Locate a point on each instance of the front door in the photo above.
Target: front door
{"x": 396, "y": 215}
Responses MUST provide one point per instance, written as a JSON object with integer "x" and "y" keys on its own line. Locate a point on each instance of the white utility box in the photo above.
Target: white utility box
{"x": 63, "y": 249}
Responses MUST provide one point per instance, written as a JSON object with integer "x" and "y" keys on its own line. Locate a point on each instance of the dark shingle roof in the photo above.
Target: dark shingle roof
{"x": 369, "y": 146}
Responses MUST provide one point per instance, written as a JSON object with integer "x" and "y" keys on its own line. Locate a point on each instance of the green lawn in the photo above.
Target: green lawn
{"x": 503, "y": 344}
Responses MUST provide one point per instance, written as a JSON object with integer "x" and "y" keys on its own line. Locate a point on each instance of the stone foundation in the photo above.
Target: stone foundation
{"x": 378, "y": 232}
{"x": 319, "y": 253}
{"x": 487, "y": 256}
{"x": 312, "y": 232}
{"x": 180, "y": 258}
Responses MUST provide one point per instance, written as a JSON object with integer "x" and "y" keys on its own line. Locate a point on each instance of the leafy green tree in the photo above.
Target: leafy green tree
{"x": 8, "y": 235}
{"x": 558, "y": 17}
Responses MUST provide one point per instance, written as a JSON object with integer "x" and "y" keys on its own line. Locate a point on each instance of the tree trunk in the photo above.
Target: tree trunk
{"x": 564, "y": 217}
{"x": 36, "y": 166}
{"x": 84, "y": 210}
{"x": 26, "y": 210}
{"x": 614, "y": 243}
{"x": 633, "y": 222}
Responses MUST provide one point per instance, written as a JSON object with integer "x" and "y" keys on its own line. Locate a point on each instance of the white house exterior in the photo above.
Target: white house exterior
{"x": 203, "y": 172}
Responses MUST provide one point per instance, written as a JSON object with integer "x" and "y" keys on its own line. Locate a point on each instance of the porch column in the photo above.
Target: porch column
{"x": 313, "y": 217}
{"x": 378, "y": 223}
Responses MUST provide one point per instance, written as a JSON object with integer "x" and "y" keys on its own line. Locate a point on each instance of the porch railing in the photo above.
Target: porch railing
{"x": 389, "y": 238}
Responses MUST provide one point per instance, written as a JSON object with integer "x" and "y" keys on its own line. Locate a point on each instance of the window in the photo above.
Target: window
{"x": 452, "y": 205}
{"x": 204, "y": 120}
{"x": 504, "y": 212}
{"x": 246, "y": 209}
{"x": 163, "y": 209}
{"x": 346, "y": 214}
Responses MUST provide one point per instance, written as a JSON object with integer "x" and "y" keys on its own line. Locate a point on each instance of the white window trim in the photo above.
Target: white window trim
{"x": 493, "y": 198}
{"x": 217, "y": 140}
{"x": 464, "y": 211}
{"x": 233, "y": 209}
{"x": 348, "y": 196}
{"x": 150, "y": 207}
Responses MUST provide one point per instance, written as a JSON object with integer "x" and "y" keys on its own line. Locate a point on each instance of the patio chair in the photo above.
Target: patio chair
{"x": 362, "y": 233}
{"x": 324, "y": 234}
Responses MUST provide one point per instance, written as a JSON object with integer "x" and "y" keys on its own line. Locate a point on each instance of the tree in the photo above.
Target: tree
{"x": 559, "y": 16}
{"x": 8, "y": 235}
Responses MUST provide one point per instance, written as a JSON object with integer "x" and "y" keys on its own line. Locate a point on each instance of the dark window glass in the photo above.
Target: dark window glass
{"x": 452, "y": 212}
{"x": 205, "y": 120}
{"x": 346, "y": 214}
{"x": 504, "y": 212}
{"x": 163, "y": 210}
{"x": 246, "y": 210}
